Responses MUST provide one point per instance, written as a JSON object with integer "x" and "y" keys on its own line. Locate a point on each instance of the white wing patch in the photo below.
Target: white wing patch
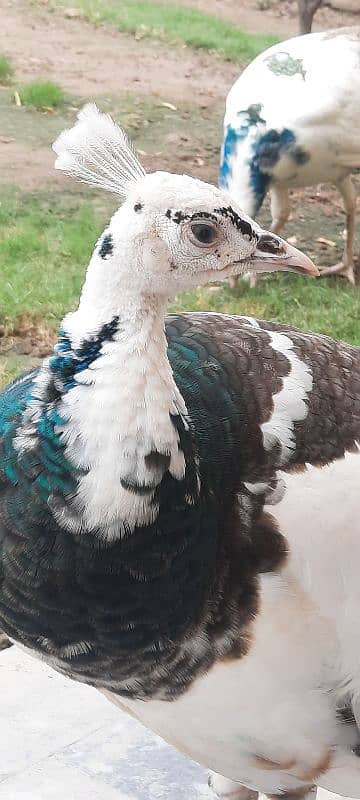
{"x": 252, "y": 321}
{"x": 290, "y": 402}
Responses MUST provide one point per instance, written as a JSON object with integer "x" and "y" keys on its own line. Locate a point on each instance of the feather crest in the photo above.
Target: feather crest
{"x": 97, "y": 151}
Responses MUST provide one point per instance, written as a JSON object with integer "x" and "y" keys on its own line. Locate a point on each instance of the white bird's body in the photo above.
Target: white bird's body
{"x": 292, "y": 120}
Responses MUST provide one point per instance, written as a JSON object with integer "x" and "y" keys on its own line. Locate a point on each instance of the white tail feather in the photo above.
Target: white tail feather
{"x": 98, "y": 152}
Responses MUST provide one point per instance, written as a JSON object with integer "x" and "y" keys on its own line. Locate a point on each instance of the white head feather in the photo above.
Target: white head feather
{"x": 98, "y": 152}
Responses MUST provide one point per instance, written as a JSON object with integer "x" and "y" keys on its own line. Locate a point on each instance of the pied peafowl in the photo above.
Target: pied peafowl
{"x": 179, "y": 495}
{"x": 292, "y": 120}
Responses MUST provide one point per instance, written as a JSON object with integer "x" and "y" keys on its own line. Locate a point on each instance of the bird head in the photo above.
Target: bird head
{"x": 172, "y": 232}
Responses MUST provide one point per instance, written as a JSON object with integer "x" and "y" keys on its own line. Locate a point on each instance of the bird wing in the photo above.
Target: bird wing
{"x": 270, "y": 396}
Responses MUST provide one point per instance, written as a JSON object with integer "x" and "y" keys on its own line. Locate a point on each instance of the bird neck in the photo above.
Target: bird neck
{"x": 118, "y": 412}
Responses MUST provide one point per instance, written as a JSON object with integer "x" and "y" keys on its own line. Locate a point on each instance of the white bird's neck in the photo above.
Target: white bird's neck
{"x": 119, "y": 414}
{"x": 117, "y": 398}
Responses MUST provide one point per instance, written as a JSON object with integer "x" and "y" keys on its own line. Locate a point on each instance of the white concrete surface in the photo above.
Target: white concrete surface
{"x": 61, "y": 740}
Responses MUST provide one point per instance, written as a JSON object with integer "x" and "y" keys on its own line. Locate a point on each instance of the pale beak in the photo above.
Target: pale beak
{"x": 274, "y": 254}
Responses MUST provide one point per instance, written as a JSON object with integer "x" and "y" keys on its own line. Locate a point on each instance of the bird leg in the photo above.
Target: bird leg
{"x": 280, "y": 210}
{"x": 233, "y": 281}
{"x": 346, "y": 265}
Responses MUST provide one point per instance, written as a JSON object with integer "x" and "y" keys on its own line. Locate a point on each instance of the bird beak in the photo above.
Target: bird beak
{"x": 274, "y": 254}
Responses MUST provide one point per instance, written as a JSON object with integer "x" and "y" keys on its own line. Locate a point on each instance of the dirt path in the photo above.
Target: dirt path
{"x": 28, "y": 167}
{"x": 89, "y": 61}
{"x": 93, "y": 62}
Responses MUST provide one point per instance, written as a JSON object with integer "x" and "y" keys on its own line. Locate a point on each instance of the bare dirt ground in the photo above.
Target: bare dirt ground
{"x": 92, "y": 62}
{"x": 89, "y": 61}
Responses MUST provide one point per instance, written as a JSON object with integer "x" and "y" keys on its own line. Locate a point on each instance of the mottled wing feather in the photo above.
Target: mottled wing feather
{"x": 247, "y": 374}
{"x": 332, "y": 425}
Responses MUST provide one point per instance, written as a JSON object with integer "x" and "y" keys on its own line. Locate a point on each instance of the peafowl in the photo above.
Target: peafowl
{"x": 179, "y": 519}
{"x": 292, "y": 120}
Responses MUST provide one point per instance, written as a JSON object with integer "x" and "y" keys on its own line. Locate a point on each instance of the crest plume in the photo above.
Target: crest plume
{"x": 97, "y": 151}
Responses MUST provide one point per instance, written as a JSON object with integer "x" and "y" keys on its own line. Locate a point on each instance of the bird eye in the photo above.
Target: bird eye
{"x": 203, "y": 233}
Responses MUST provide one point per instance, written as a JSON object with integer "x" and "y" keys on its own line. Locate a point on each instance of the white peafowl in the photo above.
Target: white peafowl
{"x": 179, "y": 495}
{"x": 292, "y": 119}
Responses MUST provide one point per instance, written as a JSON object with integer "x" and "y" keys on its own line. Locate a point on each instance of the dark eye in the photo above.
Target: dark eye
{"x": 204, "y": 233}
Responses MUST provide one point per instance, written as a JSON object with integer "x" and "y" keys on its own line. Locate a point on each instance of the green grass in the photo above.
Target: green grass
{"x": 42, "y": 94}
{"x": 175, "y": 24}
{"x": 324, "y": 306}
{"x": 45, "y": 245}
{"x": 6, "y": 69}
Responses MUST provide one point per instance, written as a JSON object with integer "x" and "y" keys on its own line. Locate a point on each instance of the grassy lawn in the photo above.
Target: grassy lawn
{"x": 174, "y": 24}
{"x": 45, "y": 245}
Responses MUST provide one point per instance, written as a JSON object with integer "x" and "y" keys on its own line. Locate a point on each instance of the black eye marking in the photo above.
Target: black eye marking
{"x": 203, "y": 233}
{"x": 241, "y": 224}
{"x": 181, "y": 216}
{"x": 106, "y": 247}
{"x": 138, "y": 207}
{"x": 177, "y": 216}
{"x": 205, "y": 215}
{"x": 227, "y": 211}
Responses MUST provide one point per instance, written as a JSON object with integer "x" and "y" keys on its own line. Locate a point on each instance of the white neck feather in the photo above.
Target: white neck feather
{"x": 117, "y": 415}
{"x": 118, "y": 411}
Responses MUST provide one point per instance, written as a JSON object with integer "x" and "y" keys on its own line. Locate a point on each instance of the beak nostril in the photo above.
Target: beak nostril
{"x": 270, "y": 244}
{"x": 273, "y": 254}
